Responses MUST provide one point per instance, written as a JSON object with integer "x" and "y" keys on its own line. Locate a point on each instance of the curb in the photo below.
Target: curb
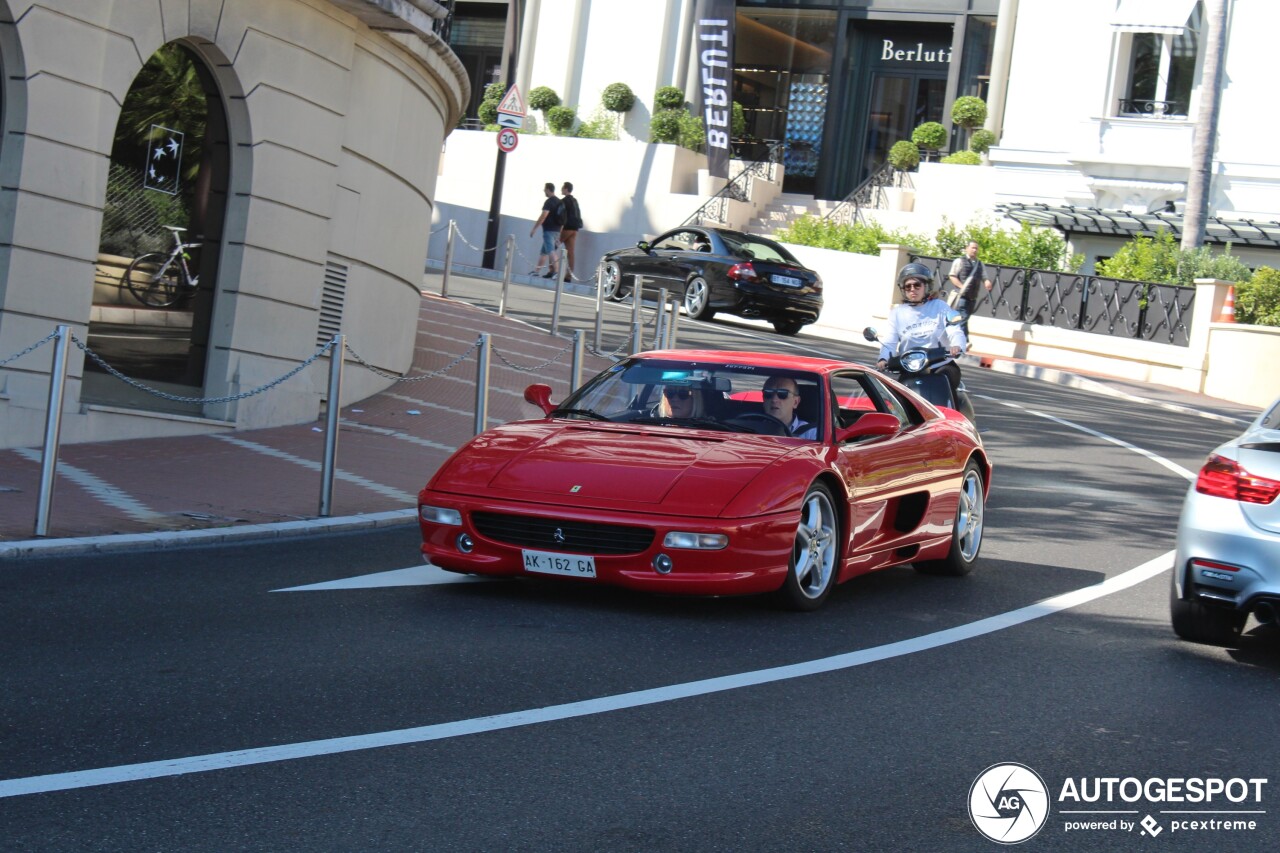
{"x": 157, "y": 540}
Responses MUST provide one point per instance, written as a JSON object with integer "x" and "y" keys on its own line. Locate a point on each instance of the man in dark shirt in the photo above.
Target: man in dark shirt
{"x": 572, "y": 223}
{"x": 550, "y": 221}
{"x": 968, "y": 274}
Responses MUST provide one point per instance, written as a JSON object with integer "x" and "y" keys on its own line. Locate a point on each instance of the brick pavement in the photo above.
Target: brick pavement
{"x": 386, "y": 453}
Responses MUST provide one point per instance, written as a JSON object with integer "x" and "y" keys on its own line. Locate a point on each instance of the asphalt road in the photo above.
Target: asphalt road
{"x": 225, "y": 713}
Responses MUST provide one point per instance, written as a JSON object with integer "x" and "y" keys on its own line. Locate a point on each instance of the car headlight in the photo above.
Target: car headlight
{"x": 914, "y": 361}
{"x": 440, "y": 515}
{"x": 695, "y": 541}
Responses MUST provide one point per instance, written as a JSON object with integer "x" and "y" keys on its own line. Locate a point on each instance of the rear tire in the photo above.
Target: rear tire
{"x": 790, "y": 328}
{"x": 815, "y": 556}
{"x": 697, "y": 299}
{"x": 1198, "y": 622}
{"x": 966, "y": 534}
{"x": 155, "y": 291}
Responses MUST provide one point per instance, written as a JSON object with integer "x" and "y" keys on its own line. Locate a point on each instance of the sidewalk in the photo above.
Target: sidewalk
{"x": 266, "y": 483}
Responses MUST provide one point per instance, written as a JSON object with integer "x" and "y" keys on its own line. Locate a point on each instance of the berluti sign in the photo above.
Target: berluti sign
{"x": 892, "y": 52}
{"x": 713, "y": 45}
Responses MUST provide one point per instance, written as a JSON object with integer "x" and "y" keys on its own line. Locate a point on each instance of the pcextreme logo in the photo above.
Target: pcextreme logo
{"x": 1009, "y": 803}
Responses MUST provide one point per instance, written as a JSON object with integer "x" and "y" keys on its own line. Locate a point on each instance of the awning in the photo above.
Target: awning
{"x": 1127, "y": 224}
{"x": 1168, "y": 17}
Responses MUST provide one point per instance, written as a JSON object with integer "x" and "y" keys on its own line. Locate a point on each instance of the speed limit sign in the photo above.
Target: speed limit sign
{"x": 508, "y": 139}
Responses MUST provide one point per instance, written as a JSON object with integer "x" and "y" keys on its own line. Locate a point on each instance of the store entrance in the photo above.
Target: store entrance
{"x": 899, "y": 103}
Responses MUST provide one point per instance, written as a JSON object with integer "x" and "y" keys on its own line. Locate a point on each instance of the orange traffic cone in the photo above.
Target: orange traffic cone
{"x": 1228, "y": 313}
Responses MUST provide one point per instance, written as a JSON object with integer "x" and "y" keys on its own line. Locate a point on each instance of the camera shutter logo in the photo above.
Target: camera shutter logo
{"x": 1008, "y": 803}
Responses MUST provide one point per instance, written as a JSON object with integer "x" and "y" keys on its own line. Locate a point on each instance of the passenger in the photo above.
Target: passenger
{"x": 681, "y": 401}
{"x": 781, "y": 397}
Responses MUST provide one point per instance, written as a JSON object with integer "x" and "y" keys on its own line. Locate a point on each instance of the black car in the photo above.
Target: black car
{"x": 718, "y": 269}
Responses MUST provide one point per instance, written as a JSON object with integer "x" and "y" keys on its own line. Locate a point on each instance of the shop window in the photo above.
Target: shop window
{"x": 1158, "y": 61}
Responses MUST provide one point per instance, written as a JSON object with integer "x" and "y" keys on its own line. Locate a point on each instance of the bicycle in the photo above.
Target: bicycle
{"x": 156, "y": 280}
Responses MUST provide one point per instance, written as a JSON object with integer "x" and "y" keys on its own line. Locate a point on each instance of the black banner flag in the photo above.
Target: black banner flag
{"x": 713, "y": 47}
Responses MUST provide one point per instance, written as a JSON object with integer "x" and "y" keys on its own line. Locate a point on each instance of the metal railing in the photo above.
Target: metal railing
{"x": 870, "y": 194}
{"x": 716, "y": 208}
{"x": 1087, "y": 303}
{"x": 1153, "y": 109}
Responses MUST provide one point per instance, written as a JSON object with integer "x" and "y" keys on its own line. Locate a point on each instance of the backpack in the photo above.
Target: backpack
{"x": 572, "y": 213}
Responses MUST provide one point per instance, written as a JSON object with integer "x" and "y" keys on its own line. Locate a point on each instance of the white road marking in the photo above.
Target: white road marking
{"x": 586, "y": 707}
{"x": 397, "y": 434}
{"x": 440, "y": 731}
{"x": 101, "y": 489}
{"x": 345, "y": 476}
{"x": 424, "y": 575}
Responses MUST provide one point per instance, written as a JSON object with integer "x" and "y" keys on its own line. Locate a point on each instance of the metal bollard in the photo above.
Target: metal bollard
{"x": 673, "y": 323}
{"x": 660, "y": 324}
{"x": 448, "y": 260}
{"x": 506, "y": 275}
{"x": 575, "y": 372}
{"x": 637, "y": 296}
{"x": 482, "y": 383}
{"x": 337, "y": 354}
{"x": 599, "y": 304}
{"x": 52, "y": 430}
{"x": 555, "y": 305}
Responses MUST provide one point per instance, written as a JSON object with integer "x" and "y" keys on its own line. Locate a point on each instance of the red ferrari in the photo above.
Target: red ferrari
{"x": 715, "y": 473}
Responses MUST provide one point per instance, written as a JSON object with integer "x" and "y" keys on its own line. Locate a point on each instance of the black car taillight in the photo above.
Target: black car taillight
{"x": 743, "y": 272}
{"x": 1224, "y": 478}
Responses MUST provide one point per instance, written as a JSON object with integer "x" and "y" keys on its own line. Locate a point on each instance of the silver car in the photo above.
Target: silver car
{"x": 1228, "y": 557}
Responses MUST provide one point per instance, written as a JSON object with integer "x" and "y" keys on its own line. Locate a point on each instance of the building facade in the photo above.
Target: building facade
{"x": 311, "y": 131}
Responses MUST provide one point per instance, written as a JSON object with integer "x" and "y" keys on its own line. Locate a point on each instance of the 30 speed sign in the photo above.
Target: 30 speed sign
{"x": 508, "y": 139}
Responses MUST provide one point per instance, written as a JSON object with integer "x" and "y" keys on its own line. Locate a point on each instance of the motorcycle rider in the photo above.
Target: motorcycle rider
{"x": 920, "y": 321}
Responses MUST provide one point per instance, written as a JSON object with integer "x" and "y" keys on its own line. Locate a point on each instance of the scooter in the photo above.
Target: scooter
{"x": 916, "y": 369}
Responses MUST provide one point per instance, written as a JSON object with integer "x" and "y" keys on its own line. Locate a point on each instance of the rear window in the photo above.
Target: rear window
{"x": 759, "y": 248}
{"x": 1272, "y": 420}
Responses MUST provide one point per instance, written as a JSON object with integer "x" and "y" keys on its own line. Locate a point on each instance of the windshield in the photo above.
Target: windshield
{"x": 686, "y": 394}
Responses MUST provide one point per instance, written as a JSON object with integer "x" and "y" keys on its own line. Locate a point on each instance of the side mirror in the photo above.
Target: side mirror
{"x": 644, "y": 246}
{"x": 540, "y": 396}
{"x": 870, "y": 334}
{"x": 872, "y": 423}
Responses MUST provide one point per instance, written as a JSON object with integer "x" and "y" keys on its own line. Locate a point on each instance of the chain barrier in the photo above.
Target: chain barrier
{"x": 435, "y": 374}
{"x": 202, "y": 400}
{"x": 458, "y": 231}
{"x": 29, "y": 349}
{"x": 531, "y": 368}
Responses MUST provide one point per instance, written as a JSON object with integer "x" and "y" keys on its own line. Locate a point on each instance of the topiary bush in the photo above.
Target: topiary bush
{"x": 904, "y": 156}
{"x": 561, "y": 119}
{"x": 981, "y": 141}
{"x": 488, "y": 112}
{"x": 543, "y": 98}
{"x": 931, "y": 135}
{"x": 668, "y": 98}
{"x": 693, "y": 134}
{"x": 665, "y": 126}
{"x": 618, "y": 98}
{"x": 1258, "y": 300}
{"x": 969, "y": 112}
{"x": 964, "y": 158}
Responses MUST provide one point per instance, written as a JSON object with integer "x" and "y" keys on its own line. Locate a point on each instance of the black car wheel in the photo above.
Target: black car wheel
{"x": 697, "y": 299}
{"x": 1199, "y": 622}
{"x": 612, "y": 281}
{"x": 787, "y": 327}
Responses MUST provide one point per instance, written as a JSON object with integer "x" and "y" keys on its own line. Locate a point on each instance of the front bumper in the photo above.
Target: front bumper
{"x": 756, "y": 559}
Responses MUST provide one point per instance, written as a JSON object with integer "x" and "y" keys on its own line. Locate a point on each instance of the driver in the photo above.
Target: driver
{"x": 920, "y": 321}
{"x": 781, "y": 398}
{"x": 681, "y": 401}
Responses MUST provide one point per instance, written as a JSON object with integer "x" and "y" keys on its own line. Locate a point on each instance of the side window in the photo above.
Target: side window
{"x": 679, "y": 241}
{"x": 1272, "y": 420}
{"x": 852, "y": 399}
{"x": 906, "y": 413}
{"x": 1156, "y": 67}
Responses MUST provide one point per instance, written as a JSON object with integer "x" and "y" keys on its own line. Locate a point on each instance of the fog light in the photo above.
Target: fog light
{"x": 464, "y": 543}
{"x": 662, "y": 564}
{"x": 440, "y": 515}
{"x": 695, "y": 541}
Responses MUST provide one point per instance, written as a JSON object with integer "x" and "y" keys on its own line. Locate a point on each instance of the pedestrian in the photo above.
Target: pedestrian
{"x": 550, "y": 221}
{"x": 572, "y": 224}
{"x": 967, "y": 274}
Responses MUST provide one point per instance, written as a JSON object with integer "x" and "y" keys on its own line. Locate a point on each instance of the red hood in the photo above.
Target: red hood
{"x": 614, "y": 466}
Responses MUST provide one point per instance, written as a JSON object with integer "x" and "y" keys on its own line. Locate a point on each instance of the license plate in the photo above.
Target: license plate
{"x": 787, "y": 280}
{"x": 549, "y": 563}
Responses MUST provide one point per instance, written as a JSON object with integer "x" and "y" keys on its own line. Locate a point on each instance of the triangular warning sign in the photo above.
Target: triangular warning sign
{"x": 512, "y": 102}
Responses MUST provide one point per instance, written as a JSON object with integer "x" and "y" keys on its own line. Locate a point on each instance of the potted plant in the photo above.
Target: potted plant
{"x": 904, "y": 155}
{"x": 930, "y": 136}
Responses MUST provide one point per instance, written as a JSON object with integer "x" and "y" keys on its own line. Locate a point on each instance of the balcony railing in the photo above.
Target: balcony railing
{"x": 1152, "y": 109}
{"x": 1087, "y": 303}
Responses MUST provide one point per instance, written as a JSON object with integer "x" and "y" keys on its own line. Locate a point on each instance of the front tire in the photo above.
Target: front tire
{"x": 612, "y": 281}
{"x": 1198, "y": 622}
{"x": 697, "y": 299}
{"x": 157, "y": 291}
{"x": 966, "y": 534}
{"x": 815, "y": 556}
